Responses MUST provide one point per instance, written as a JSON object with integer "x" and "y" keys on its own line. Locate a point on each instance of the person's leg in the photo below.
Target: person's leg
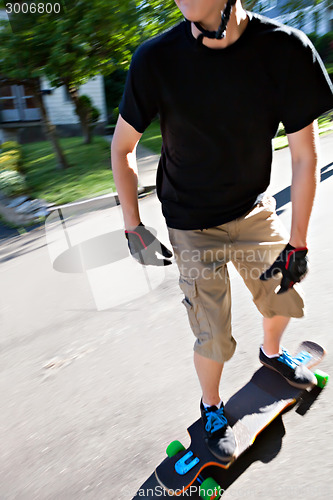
{"x": 204, "y": 280}
{"x": 261, "y": 238}
{"x": 273, "y": 331}
{"x": 209, "y": 373}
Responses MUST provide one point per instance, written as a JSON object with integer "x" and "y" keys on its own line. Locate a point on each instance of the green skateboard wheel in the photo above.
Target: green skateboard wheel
{"x": 174, "y": 448}
{"x": 322, "y": 378}
{"x": 210, "y": 489}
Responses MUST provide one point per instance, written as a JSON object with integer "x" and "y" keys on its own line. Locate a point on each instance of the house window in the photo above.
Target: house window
{"x": 7, "y": 98}
{"x": 16, "y": 104}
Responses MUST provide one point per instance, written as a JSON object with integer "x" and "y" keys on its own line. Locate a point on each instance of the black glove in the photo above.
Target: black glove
{"x": 144, "y": 246}
{"x": 293, "y": 265}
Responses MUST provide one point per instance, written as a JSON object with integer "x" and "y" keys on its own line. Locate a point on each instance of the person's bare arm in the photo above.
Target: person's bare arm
{"x": 303, "y": 147}
{"x": 292, "y": 261}
{"x": 125, "y": 172}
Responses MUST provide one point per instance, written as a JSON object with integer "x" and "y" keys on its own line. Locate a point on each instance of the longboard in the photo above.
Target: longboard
{"x": 249, "y": 412}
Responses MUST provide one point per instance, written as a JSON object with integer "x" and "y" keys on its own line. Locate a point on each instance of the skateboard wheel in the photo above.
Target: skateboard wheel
{"x": 322, "y": 378}
{"x": 210, "y": 489}
{"x": 174, "y": 448}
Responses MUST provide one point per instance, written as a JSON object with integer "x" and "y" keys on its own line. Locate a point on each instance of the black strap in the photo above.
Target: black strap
{"x": 220, "y": 33}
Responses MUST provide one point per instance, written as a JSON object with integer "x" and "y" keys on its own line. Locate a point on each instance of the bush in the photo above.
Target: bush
{"x": 9, "y": 145}
{"x": 115, "y": 114}
{"x": 10, "y": 160}
{"x": 95, "y": 114}
{"x": 12, "y": 183}
{"x": 89, "y": 109}
{"x": 10, "y": 156}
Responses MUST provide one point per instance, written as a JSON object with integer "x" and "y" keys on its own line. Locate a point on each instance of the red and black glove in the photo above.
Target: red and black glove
{"x": 292, "y": 263}
{"x": 144, "y": 247}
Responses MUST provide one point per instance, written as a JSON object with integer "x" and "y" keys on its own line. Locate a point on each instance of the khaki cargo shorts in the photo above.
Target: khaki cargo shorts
{"x": 251, "y": 243}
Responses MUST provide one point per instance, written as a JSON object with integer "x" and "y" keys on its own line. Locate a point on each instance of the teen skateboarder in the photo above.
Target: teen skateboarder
{"x": 222, "y": 81}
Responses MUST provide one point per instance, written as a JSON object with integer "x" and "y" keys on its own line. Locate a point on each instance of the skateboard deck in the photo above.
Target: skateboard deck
{"x": 249, "y": 412}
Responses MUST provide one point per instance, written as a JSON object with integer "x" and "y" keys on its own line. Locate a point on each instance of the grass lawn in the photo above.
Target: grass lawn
{"x": 89, "y": 175}
{"x": 151, "y": 138}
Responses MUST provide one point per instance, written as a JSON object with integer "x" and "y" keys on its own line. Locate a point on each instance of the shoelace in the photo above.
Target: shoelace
{"x": 303, "y": 357}
{"x": 215, "y": 420}
{"x": 287, "y": 359}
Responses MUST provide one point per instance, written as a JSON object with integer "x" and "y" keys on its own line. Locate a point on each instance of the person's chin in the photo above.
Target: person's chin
{"x": 190, "y": 15}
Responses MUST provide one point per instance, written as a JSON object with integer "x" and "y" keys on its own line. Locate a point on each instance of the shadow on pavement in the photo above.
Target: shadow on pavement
{"x": 7, "y": 232}
{"x": 266, "y": 447}
{"x": 307, "y": 400}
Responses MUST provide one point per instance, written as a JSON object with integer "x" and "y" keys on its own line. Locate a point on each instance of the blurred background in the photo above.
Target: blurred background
{"x": 95, "y": 353}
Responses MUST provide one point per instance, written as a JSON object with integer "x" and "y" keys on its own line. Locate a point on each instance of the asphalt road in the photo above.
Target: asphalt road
{"x": 96, "y": 367}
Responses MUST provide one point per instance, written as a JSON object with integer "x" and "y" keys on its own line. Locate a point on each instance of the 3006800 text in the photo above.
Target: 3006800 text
{"x": 33, "y": 8}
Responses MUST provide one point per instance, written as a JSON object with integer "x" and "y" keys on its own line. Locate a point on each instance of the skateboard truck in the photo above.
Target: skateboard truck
{"x": 186, "y": 463}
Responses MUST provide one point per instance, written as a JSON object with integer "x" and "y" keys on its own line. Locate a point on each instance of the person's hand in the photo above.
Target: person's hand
{"x": 144, "y": 247}
{"x": 292, "y": 263}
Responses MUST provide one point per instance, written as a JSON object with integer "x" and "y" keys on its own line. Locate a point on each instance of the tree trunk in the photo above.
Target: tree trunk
{"x": 49, "y": 128}
{"x": 82, "y": 113}
{"x": 87, "y": 135}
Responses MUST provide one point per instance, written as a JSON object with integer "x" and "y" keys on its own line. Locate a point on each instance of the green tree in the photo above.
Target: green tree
{"x": 86, "y": 38}
{"x": 156, "y": 16}
{"x": 92, "y": 37}
{"x": 22, "y": 57}
{"x": 249, "y": 4}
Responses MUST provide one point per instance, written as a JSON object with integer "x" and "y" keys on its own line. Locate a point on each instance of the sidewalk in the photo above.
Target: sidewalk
{"x": 147, "y": 164}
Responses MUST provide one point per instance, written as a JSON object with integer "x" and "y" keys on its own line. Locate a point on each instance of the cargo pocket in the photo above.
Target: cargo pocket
{"x": 195, "y": 309}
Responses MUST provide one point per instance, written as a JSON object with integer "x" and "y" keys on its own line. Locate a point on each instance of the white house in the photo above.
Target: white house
{"x": 310, "y": 18}
{"x": 19, "y": 115}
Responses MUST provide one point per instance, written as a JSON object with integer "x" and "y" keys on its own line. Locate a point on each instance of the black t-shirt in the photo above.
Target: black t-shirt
{"x": 219, "y": 110}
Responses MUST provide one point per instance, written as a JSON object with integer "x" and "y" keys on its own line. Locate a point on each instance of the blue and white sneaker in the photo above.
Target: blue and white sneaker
{"x": 293, "y": 369}
{"x": 218, "y": 434}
